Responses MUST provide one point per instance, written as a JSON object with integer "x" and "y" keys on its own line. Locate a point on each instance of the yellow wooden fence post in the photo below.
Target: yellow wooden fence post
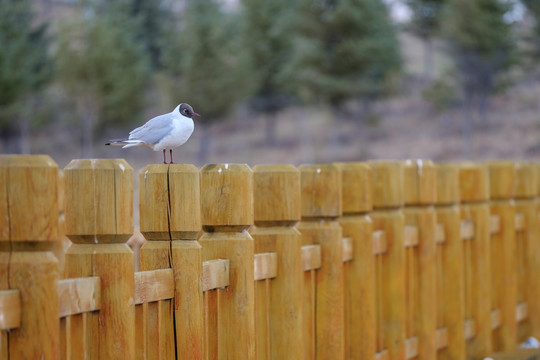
{"x": 420, "y": 225}
{"x": 528, "y": 252}
{"x": 227, "y": 212}
{"x": 450, "y": 290}
{"x": 359, "y": 272}
{"x": 169, "y": 197}
{"x": 278, "y": 301}
{"x": 99, "y": 221}
{"x": 387, "y": 180}
{"x": 474, "y": 194}
{"x": 28, "y": 232}
{"x": 503, "y": 254}
{"x": 323, "y": 289}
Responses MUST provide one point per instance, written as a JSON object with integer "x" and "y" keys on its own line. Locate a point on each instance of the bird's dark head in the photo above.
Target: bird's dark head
{"x": 187, "y": 111}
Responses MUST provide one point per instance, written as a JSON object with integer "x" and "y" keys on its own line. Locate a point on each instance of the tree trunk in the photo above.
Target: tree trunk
{"x": 428, "y": 59}
{"x": 86, "y": 111}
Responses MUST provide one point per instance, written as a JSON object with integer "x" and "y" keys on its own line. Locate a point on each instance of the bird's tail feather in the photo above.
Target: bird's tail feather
{"x": 125, "y": 143}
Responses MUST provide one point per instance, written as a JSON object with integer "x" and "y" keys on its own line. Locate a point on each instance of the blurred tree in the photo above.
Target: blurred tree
{"x": 25, "y": 66}
{"x": 206, "y": 62}
{"x": 482, "y": 45}
{"x": 103, "y": 68}
{"x": 533, "y": 6}
{"x": 344, "y": 49}
{"x": 268, "y": 43}
{"x": 426, "y": 23}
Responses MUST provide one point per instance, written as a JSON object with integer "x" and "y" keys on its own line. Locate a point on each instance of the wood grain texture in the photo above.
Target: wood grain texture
{"x": 447, "y": 183}
{"x": 311, "y": 257}
{"x": 379, "y": 242}
{"x": 154, "y": 285}
{"x": 320, "y": 191}
{"x": 99, "y": 201}
{"x": 265, "y": 266}
{"x": 10, "y": 308}
{"x": 419, "y": 182}
{"x": 526, "y": 180}
{"x": 502, "y": 179}
{"x": 215, "y": 274}
{"x": 99, "y": 217}
{"x": 387, "y": 181}
{"x": 169, "y": 197}
{"x": 79, "y": 295}
{"x": 473, "y": 182}
{"x": 357, "y": 193}
{"x": 226, "y": 196}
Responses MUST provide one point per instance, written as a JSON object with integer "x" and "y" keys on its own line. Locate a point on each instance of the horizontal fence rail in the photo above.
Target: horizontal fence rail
{"x": 383, "y": 260}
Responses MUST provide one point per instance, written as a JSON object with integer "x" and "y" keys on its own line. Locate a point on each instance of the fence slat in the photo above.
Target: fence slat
{"x": 79, "y": 295}
{"x": 265, "y": 265}
{"x": 154, "y": 285}
{"x": 10, "y": 309}
{"x": 215, "y": 274}
{"x": 379, "y": 242}
{"x": 311, "y": 257}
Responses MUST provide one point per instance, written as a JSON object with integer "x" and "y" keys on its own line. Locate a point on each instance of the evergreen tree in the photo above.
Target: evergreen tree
{"x": 345, "y": 49}
{"x": 426, "y": 23}
{"x": 25, "y": 66}
{"x": 268, "y": 43}
{"x": 482, "y": 45}
{"x": 533, "y": 7}
{"x": 103, "y": 68}
{"x": 206, "y": 62}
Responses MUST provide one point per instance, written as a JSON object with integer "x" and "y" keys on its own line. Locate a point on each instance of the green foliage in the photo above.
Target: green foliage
{"x": 533, "y": 6}
{"x": 345, "y": 49}
{"x": 442, "y": 93}
{"x": 268, "y": 41}
{"x": 426, "y": 16}
{"x": 99, "y": 61}
{"x": 25, "y": 66}
{"x": 481, "y": 42}
{"x": 206, "y": 63}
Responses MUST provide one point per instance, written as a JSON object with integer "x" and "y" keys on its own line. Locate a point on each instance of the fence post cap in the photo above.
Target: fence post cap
{"x": 321, "y": 190}
{"x": 419, "y": 182}
{"x": 526, "y": 179}
{"x": 169, "y": 197}
{"x": 502, "y": 179}
{"x": 226, "y": 196}
{"x": 357, "y": 194}
{"x": 473, "y": 182}
{"x": 447, "y": 181}
{"x": 276, "y": 193}
{"x": 99, "y": 201}
{"x": 387, "y": 182}
{"x": 28, "y": 199}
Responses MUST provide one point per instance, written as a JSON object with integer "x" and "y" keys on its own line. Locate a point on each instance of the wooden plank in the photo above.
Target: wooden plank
{"x": 348, "y": 249}
{"x": 520, "y": 222}
{"x": 79, "y": 295}
{"x": 439, "y": 234}
{"x": 495, "y": 318}
{"x": 154, "y": 285}
{"x": 467, "y": 230}
{"x": 411, "y": 347}
{"x": 494, "y": 224}
{"x": 382, "y": 355}
{"x": 411, "y": 236}
{"x": 265, "y": 265}
{"x": 521, "y": 311}
{"x": 10, "y": 309}
{"x": 215, "y": 274}
{"x": 311, "y": 257}
{"x": 379, "y": 242}
{"x": 441, "y": 338}
{"x": 470, "y": 329}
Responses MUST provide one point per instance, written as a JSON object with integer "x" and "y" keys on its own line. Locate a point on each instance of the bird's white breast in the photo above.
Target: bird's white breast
{"x": 180, "y": 133}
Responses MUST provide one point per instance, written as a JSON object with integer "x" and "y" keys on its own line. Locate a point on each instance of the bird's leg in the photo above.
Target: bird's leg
{"x": 164, "y": 159}
{"x": 171, "y": 156}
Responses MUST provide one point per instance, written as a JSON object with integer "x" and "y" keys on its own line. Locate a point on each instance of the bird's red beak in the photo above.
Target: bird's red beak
{"x": 196, "y": 115}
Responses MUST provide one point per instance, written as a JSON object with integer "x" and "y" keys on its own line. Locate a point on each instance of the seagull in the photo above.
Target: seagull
{"x": 163, "y": 132}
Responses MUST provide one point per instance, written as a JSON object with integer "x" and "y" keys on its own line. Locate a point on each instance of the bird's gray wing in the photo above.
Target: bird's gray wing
{"x": 154, "y": 130}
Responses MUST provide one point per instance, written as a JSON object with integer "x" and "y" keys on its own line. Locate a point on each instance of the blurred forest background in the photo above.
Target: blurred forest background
{"x": 288, "y": 81}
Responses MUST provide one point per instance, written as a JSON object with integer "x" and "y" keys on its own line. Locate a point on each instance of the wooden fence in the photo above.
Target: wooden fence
{"x": 379, "y": 260}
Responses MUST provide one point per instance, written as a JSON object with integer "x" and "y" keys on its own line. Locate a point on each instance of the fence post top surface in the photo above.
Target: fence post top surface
{"x": 357, "y": 192}
{"x": 526, "y": 179}
{"x": 387, "y": 182}
{"x": 169, "y": 196}
{"x": 320, "y": 190}
{"x": 447, "y": 182}
{"x": 28, "y": 200}
{"x": 98, "y": 201}
{"x": 226, "y": 196}
{"x": 502, "y": 179}
{"x": 276, "y": 193}
{"x": 419, "y": 182}
{"x": 473, "y": 182}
